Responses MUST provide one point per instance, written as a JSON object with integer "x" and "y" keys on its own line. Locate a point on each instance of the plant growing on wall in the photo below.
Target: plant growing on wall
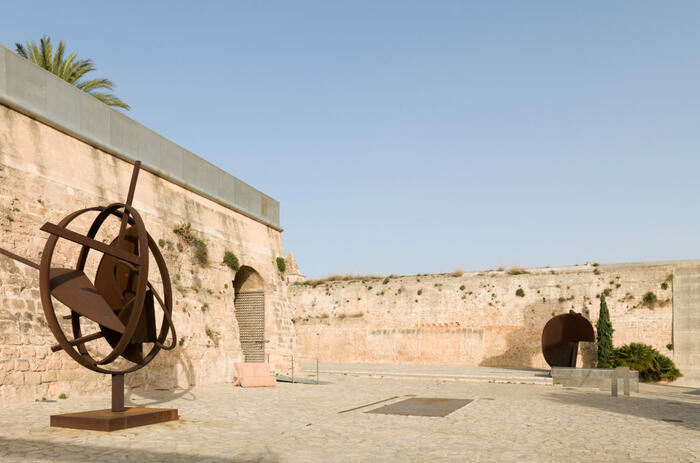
{"x": 231, "y": 261}
{"x": 281, "y": 264}
{"x": 69, "y": 68}
{"x": 604, "y": 337}
{"x": 201, "y": 253}
{"x": 649, "y": 300}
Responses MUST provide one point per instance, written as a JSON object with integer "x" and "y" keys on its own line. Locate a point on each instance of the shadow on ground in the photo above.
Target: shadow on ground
{"x": 685, "y": 414}
{"x": 23, "y": 449}
{"x": 167, "y": 389}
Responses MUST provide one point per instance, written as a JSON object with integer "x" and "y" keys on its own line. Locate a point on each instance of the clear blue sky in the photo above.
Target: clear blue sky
{"x": 416, "y": 137}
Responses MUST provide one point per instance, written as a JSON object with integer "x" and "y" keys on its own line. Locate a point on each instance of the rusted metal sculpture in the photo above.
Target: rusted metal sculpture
{"x": 120, "y": 300}
{"x": 560, "y": 338}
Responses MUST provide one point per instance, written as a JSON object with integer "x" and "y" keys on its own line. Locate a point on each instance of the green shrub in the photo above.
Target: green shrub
{"x": 231, "y": 261}
{"x": 604, "y": 336}
{"x": 201, "y": 254}
{"x": 63, "y": 396}
{"x": 652, "y": 365}
{"x": 161, "y": 243}
{"x": 281, "y": 264}
{"x": 664, "y": 285}
{"x": 519, "y": 292}
{"x": 649, "y": 300}
{"x": 385, "y": 281}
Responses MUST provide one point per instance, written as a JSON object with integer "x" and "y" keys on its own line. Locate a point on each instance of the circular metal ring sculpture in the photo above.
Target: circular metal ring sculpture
{"x": 121, "y": 299}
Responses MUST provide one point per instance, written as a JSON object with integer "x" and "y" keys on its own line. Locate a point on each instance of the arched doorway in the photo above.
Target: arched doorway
{"x": 249, "y": 305}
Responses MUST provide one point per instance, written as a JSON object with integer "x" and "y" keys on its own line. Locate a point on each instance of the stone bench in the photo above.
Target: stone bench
{"x": 254, "y": 375}
{"x": 600, "y": 378}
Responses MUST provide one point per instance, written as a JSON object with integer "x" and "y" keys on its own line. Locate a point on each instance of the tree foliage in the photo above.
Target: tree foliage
{"x": 69, "y": 68}
{"x": 604, "y": 335}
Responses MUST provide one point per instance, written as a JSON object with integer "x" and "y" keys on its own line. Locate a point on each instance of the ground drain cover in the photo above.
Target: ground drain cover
{"x": 422, "y": 406}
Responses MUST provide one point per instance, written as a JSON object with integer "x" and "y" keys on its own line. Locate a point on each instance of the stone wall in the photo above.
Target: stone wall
{"x": 44, "y": 175}
{"x": 489, "y": 318}
{"x": 686, "y": 320}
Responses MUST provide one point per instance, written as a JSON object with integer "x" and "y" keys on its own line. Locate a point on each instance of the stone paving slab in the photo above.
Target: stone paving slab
{"x": 301, "y": 423}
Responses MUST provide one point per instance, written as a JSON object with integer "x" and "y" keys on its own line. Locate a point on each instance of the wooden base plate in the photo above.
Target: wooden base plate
{"x": 107, "y": 420}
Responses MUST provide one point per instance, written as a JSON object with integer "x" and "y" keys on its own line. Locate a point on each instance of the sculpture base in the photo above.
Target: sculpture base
{"x": 107, "y": 420}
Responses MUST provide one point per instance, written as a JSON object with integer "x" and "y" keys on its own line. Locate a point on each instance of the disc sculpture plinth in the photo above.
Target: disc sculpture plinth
{"x": 120, "y": 300}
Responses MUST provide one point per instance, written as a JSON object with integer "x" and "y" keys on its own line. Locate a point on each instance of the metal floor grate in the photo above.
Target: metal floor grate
{"x": 422, "y": 406}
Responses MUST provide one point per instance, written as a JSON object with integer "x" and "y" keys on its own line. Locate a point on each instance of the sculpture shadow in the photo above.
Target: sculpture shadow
{"x": 166, "y": 389}
{"x": 524, "y": 344}
{"x": 84, "y": 453}
{"x": 685, "y": 414}
{"x": 520, "y": 350}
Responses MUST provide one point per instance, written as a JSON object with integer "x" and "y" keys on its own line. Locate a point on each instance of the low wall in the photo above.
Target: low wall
{"x": 600, "y": 378}
{"x": 487, "y": 318}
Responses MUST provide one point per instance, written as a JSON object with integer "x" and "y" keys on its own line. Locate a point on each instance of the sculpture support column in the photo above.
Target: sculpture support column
{"x": 118, "y": 393}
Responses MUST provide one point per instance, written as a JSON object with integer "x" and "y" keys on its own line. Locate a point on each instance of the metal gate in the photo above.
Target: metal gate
{"x": 250, "y": 313}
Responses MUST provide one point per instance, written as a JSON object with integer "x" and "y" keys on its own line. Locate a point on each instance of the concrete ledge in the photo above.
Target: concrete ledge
{"x": 590, "y": 377}
{"x": 39, "y": 94}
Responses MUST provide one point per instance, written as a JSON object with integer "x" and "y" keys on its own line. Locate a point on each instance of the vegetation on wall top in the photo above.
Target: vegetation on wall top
{"x": 281, "y": 264}
{"x": 517, "y": 271}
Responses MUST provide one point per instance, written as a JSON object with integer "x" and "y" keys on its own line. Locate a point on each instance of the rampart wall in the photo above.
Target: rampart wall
{"x": 491, "y": 318}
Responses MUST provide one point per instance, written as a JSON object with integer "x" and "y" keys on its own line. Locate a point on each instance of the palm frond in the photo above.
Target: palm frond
{"x": 111, "y": 100}
{"x": 58, "y": 59}
{"x": 46, "y": 52}
{"x": 78, "y": 69}
{"x": 70, "y": 68}
{"x": 19, "y": 49}
{"x": 94, "y": 84}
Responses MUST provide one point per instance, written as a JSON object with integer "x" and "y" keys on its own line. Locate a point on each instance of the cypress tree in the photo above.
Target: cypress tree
{"x": 604, "y": 336}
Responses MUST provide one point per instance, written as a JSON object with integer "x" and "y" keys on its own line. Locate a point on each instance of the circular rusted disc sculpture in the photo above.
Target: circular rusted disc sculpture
{"x": 560, "y": 338}
{"x": 121, "y": 300}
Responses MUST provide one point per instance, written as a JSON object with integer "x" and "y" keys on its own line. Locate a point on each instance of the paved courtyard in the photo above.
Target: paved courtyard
{"x": 302, "y": 423}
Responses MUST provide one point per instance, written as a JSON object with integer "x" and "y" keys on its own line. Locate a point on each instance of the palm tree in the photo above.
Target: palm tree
{"x": 69, "y": 68}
